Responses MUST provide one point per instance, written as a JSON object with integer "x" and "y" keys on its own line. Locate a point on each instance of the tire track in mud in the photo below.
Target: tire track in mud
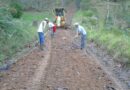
{"x": 73, "y": 69}
{"x": 108, "y": 72}
{"x": 27, "y": 72}
{"x": 35, "y": 82}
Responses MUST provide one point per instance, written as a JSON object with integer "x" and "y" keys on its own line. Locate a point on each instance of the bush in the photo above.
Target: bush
{"x": 5, "y": 19}
{"x": 88, "y": 13}
{"x": 7, "y": 26}
{"x": 115, "y": 41}
{"x": 16, "y": 10}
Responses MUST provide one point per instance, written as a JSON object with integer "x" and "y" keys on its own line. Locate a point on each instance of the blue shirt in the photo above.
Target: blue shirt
{"x": 81, "y": 30}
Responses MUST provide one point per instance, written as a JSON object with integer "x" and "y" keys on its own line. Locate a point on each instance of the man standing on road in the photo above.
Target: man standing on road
{"x": 52, "y": 28}
{"x": 82, "y": 32}
{"x": 40, "y": 31}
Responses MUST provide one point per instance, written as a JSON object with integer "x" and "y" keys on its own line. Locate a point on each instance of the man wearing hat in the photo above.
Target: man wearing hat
{"x": 82, "y": 32}
{"x": 40, "y": 31}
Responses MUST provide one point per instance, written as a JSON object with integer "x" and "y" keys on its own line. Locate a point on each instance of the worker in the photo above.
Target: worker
{"x": 40, "y": 31}
{"x": 82, "y": 32}
{"x": 52, "y": 28}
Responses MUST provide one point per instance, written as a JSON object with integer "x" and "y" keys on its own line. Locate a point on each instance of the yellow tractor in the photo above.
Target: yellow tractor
{"x": 60, "y": 17}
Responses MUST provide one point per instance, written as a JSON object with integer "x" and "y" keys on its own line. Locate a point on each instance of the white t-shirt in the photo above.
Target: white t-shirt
{"x": 81, "y": 30}
{"x": 42, "y": 26}
{"x": 50, "y": 24}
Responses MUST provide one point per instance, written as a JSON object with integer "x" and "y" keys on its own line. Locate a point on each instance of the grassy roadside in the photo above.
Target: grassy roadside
{"x": 114, "y": 41}
{"x": 24, "y": 33}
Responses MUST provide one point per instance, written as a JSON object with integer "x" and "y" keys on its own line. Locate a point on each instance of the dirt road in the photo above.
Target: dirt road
{"x": 58, "y": 67}
{"x": 73, "y": 69}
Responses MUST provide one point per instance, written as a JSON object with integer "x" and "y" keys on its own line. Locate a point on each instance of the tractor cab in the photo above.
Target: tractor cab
{"x": 59, "y": 11}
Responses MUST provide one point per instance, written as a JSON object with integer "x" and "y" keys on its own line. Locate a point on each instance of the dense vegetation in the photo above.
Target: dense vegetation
{"x": 16, "y": 23}
{"x": 16, "y": 29}
{"x": 107, "y": 23}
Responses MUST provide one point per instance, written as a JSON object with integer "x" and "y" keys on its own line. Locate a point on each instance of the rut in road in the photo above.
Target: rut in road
{"x": 73, "y": 69}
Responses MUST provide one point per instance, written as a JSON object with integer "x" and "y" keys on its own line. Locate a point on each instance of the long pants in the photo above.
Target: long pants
{"x": 83, "y": 41}
{"x": 41, "y": 39}
{"x": 52, "y": 31}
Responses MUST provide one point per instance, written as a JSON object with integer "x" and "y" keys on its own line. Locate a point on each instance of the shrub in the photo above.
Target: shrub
{"x": 88, "y": 13}
{"x": 16, "y": 10}
{"x": 5, "y": 19}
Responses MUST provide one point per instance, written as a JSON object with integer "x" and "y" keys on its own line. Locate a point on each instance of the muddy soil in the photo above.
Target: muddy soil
{"x": 109, "y": 62}
{"x": 73, "y": 69}
{"x": 59, "y": 67}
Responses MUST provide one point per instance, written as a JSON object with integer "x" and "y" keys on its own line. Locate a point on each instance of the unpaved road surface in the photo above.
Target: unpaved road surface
{"x": 73, "y": 69}
{"x": 58, "y": 67}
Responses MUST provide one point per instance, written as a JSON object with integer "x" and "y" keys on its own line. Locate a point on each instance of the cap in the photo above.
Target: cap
{"x": 76, "y": 24}
{"x": 46, "y": 19}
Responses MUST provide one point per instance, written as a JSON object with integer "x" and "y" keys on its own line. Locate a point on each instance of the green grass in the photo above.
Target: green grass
{"x": 31, "y": 16}
{"x": 115, "y": 41}
{"x": 115, "y": 44}
{"x": 22, "y": 33}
